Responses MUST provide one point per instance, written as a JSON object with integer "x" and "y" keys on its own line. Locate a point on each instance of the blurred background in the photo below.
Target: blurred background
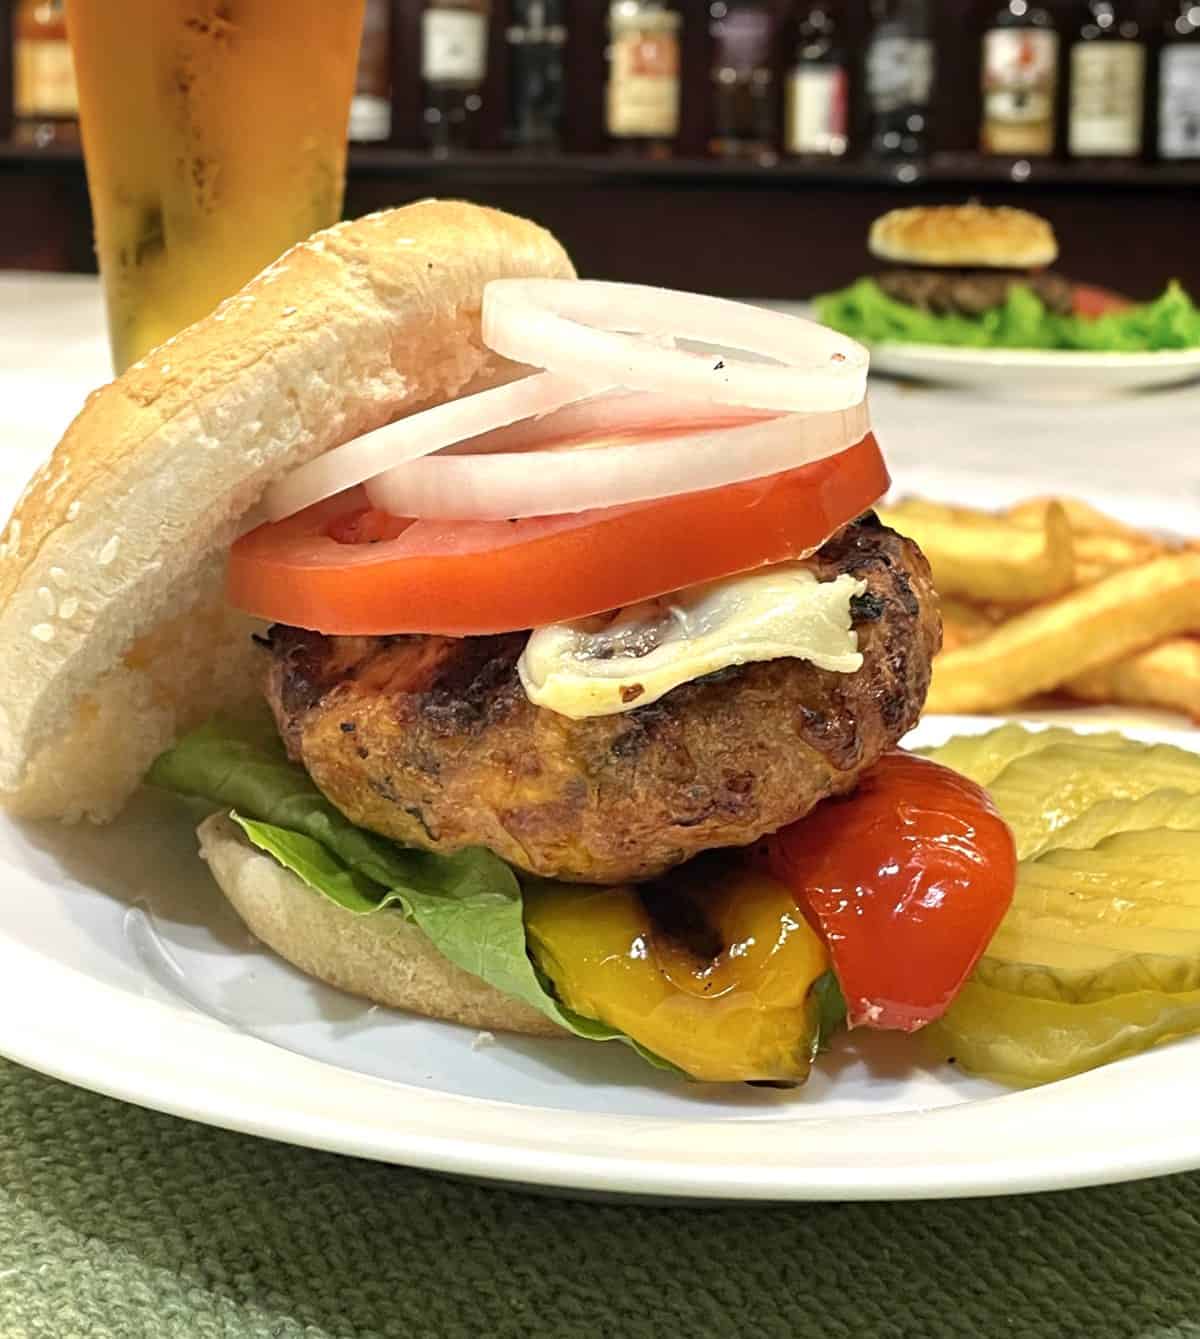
{"x": 734, "y": 146}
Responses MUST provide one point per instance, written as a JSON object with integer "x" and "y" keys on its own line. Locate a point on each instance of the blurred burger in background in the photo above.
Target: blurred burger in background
{"x": 966, "y": 259}
{"x": 979, "y": 276}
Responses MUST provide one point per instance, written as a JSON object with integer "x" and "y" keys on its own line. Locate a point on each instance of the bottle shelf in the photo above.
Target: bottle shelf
{"x": 948, "y": 170}
{"x": 785, "y": 228}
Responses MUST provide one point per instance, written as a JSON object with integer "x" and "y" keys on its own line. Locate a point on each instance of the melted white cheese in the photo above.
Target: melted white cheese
{"x": 612, "y": 663}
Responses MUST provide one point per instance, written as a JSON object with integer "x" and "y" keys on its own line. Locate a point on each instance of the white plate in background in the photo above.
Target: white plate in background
{"x": 123, "y": 970}
{"x": 1037, "y": 374}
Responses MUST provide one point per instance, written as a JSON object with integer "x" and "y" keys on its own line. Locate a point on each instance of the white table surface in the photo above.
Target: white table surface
{"x": 1139, "y": 455}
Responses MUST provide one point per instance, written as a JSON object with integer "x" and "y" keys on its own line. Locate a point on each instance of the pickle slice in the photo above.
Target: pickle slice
{"x": 984, "y": 757}
{"x": 1099, "y": 954}
{"x": 1140, "y": 865}
{"x": 1028, "y": 1041}
{"x": 1042, "y": 968}
{"x": 1085, "y": 925}
{"x": 1160, "y": 809}
{"x": 1040, "y": 793}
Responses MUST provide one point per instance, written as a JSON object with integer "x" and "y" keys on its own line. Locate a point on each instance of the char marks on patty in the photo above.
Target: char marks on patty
{"x": 432, "y": 741}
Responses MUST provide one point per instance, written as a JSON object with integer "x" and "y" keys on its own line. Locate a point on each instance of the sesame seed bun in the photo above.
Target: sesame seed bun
{"x": 114, "y": 634}
{"x": 964, "y": 236}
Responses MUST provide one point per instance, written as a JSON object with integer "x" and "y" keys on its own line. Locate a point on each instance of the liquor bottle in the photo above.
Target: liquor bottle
{"x": 817, "y": 103}
{"x": 45, "y": 103}
{"x": 453, "y": 66}
{"x": 643, "y": 76}
{"x": 371, "y": 107}
{"x": 1108, "y": 83}
{"x": 1020, "y": 81}
{"x": 536, "y": 38}
{"x": 899, "y": 77}
{"x": 1179, "y": 83}
{"x": 743, "y": 119}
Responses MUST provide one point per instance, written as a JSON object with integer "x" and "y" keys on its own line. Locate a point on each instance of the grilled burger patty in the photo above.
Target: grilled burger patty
{"x": 943, "y": 290}
{"x": 432, "y": 741}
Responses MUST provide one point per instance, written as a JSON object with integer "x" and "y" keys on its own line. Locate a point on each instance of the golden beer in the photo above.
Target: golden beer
{"x": 214, "y": 133}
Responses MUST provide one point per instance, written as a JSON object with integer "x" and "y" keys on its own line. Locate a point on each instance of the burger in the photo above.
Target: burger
{"x": 966, "y": 259}
{"x": 537, "y": 668}
{"x": 978, "y": 276}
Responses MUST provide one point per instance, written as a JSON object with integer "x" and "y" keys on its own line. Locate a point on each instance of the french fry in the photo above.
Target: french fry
{"x": 988, "y": 558}
{"x": 1038, "y": 650}
{"x": 1098, "y": 556}
{"x": 1167, "y": 676}
{"x": 1083, "y": 517}
{"x": 938, "y": 511}
{"x": 1116, "y": 551}
{"x": 963, "y": 622}
{"x": 1087, "y": 574}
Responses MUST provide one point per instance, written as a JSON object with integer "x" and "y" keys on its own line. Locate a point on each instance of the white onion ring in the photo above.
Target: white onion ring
{"x": 410, "y": 438}
{"x": 508, "y": 485}
{"x": 616, "y": 414}
{"x": 569, "y": 327}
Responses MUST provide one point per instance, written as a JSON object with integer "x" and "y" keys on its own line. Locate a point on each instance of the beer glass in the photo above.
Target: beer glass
{"x": 214, "y": 134}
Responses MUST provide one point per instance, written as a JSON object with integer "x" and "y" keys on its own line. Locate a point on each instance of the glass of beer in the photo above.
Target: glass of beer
{"x": 214, "y": 133}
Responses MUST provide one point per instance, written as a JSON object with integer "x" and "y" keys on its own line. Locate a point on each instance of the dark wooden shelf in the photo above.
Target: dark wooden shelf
{"x": 965, "y": 170}
{"x": 786, "y": 229}
{"x": 950, "y": 169}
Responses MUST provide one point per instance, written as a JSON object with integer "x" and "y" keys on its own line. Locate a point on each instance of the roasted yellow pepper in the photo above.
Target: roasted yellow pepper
{"x": 743, "y": 1012}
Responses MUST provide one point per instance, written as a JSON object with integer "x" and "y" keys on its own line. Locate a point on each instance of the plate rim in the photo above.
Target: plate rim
{"x": 1047, "y": 358}
{"x": 178, "y": 1060}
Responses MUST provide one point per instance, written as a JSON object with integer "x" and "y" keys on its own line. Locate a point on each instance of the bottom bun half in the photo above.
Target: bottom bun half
{"x": 382, "y": 958}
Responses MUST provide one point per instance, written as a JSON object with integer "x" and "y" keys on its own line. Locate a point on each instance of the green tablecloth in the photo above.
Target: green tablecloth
{"x": 120, "y": 1222}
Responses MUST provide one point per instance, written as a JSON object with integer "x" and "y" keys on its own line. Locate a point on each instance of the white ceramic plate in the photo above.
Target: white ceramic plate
{"x": 123, "y": 970}
{"x": 1040, "y": 374}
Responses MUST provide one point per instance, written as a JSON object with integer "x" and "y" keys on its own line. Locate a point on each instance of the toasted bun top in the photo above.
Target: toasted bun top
{"x": 961, "y": 235}
{"x": 114, "y": 635}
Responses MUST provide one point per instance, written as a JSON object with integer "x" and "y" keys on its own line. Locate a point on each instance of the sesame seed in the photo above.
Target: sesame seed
{"x": 72, "y": 511}
{"x": 109, "y": 551}
{"x": 166, "y": 367}
{"x": 44, "y": 632}
{"x": 46, "y": 595}
{"x": 60, "y": 578}
{"x": 289, "y": 311}
{"x": 69, "y": 607}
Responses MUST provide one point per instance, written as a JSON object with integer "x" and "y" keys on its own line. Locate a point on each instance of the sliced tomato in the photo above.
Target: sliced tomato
{"x": 1090, "y": 302}
{"x": 907, "y": 879}
{"x": 342, "y": 568}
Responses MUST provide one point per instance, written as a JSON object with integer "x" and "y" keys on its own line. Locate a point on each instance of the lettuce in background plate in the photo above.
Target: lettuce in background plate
{"x": 866, "y": 313}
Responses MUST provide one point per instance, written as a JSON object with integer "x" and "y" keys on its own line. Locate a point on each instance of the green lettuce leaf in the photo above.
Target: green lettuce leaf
{"x": 865, "y": 312}
{"x": 831, "y": 1008}
{"x": 469, "y": 904}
